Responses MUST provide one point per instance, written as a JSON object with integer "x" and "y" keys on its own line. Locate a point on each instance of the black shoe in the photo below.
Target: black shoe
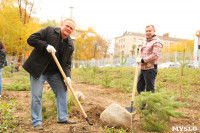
{"x": 67, "y": 122}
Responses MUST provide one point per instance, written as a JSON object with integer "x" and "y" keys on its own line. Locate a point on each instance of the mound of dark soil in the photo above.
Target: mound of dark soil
{"x": 93, "y": 113}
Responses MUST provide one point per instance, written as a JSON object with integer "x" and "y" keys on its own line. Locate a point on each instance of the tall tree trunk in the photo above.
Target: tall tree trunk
{"x": 20, "y": 8}
{"x": 26, "y": 3}
{"x": 30, "y": 13}
{"x": 95, "y": 49}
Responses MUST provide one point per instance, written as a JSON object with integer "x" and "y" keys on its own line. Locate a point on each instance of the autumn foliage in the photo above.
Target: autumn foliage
{"x": 187, "y": 45}
{"x": 15, "y": 26}
{"x": 90, "y": 45}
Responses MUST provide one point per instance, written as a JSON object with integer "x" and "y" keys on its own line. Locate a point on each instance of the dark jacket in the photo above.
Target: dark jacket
{"x": 2, "y": 58}
{"x": 40, "y": 58}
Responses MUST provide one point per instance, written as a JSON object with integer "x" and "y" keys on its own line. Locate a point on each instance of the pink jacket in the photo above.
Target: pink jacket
{"x": 151, "y": 51}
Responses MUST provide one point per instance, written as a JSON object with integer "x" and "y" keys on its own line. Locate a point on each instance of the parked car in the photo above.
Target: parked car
{"x": 83, "y": 66}
{"x": 192, "y": 65}
{"x": 106, "y": 65}
{"x": 175, "y": 65}
{"x": 166, "y": 65}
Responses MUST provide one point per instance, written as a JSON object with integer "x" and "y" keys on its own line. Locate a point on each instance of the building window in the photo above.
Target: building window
{"x": 199, "y": 47}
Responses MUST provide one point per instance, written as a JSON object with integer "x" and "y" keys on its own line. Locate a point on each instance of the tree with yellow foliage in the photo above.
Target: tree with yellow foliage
{"x": 187, "y": 45}
{"x": 14, "y": 30}
{"x": 90, "y": 45}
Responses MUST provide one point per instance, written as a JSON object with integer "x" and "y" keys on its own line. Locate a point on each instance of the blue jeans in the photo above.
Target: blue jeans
{"x": 60, "y": 90}
{"x": 1, "y": 69}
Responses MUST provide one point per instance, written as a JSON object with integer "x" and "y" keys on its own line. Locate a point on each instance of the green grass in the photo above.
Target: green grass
{"x": 8, "y": 121}
{"x": 21, "y": 81}
{"x": 122, "y": 78}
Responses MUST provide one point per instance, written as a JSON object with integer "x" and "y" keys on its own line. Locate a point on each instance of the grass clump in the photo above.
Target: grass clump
{"x": 21, "y": 81}
{"x": 8, "y": 122}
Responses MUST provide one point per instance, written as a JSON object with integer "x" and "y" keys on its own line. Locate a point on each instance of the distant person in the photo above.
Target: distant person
{"x": 18, "y": 63}
{"x": 150, "y": 54}
{"x": 12, "y": 67}
{"x": 18, "y": 66}
{"x": 2, "y": 62}
{"x": 42, "y": 67}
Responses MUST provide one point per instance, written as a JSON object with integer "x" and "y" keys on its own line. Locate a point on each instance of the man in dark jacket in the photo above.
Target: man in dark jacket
{"x": 42, "y": 67}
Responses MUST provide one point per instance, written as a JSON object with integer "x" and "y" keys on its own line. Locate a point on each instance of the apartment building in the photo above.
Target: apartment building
{"x": 126, "y": 43}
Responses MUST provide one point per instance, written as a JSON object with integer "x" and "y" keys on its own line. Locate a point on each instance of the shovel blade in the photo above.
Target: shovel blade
{"x": 130, "y": 109}
{"x": 89, "y": 121}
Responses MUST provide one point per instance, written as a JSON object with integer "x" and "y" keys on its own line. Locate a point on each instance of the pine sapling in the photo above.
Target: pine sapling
{"x": 159, "y": 107}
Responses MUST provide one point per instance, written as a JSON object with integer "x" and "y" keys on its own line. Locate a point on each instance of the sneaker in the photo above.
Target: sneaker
{"x": 38, "y": 127}
{"x": 67, "y": 122}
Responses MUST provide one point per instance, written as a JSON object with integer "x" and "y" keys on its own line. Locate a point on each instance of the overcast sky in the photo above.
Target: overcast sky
{"x": 110, "y": 18}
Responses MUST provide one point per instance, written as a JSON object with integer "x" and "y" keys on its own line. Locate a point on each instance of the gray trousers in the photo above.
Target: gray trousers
{"x": 146, "y": 79}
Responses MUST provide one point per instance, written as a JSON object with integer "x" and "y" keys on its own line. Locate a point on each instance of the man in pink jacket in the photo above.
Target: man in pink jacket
{"x": 151, "y": 51}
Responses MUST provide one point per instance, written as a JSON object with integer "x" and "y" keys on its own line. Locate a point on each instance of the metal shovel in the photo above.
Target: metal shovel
{"x": 71, "y": 89}
{"x": 130, "y": 108}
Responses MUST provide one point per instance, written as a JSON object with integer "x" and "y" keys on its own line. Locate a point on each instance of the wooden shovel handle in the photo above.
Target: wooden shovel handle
{"x": 136, "y": 75}
{"x": 68, "y": 85}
